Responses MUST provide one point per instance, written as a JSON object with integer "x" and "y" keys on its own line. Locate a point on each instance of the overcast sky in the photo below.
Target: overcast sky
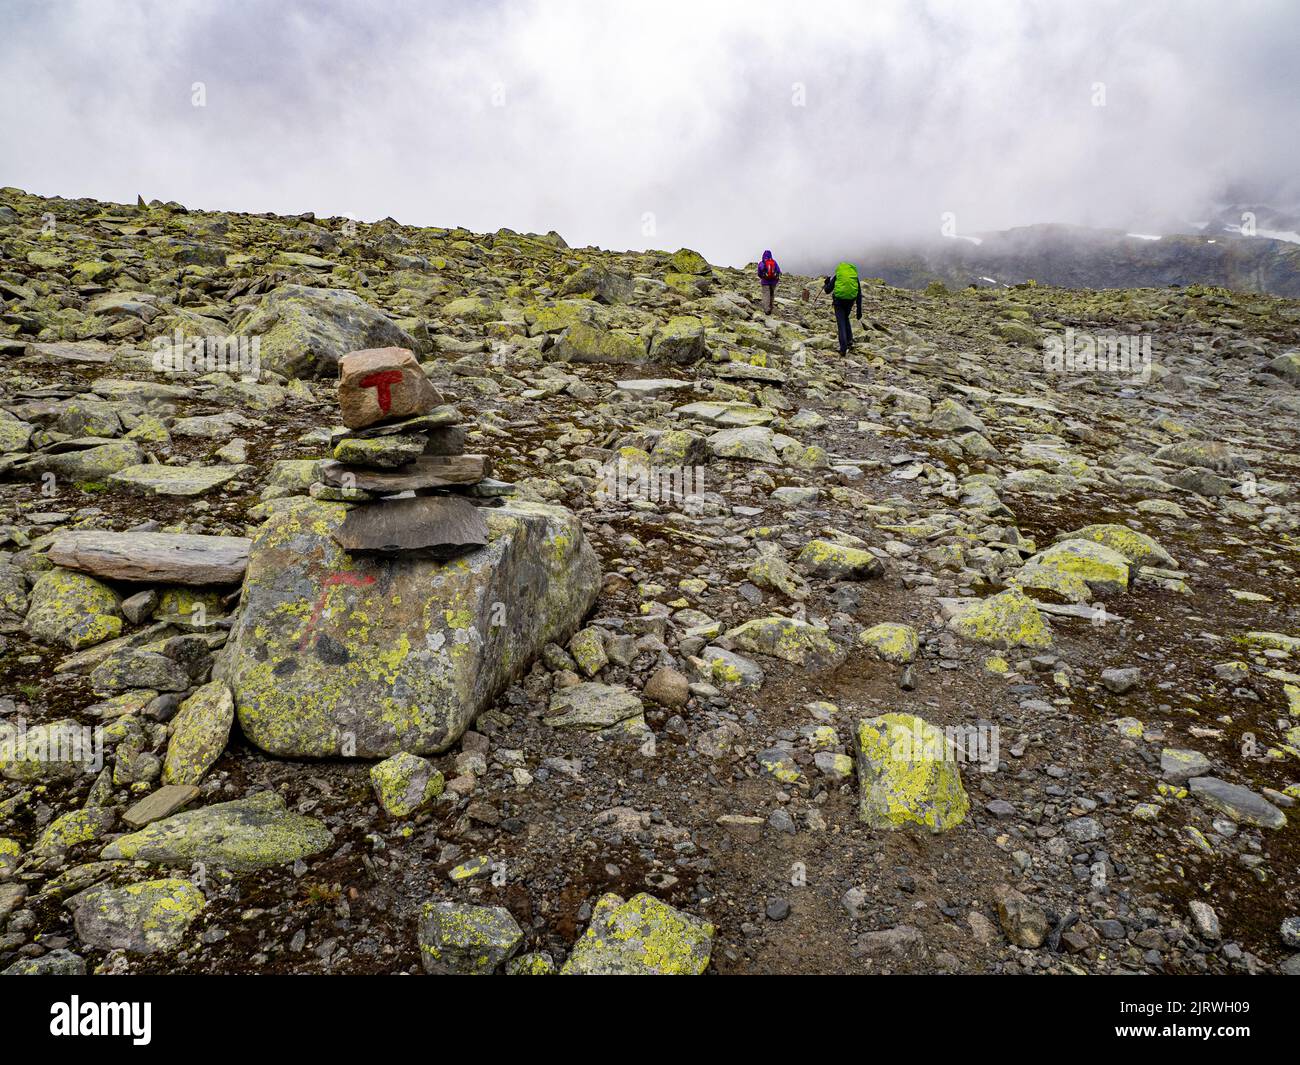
{"x": 727, "y": 127}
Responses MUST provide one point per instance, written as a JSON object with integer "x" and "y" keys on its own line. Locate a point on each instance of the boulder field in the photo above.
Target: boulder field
{"x": 392, "y": 599}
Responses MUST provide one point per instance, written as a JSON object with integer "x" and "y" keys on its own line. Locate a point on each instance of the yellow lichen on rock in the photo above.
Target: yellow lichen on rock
{"x": 892, "y": 642}
{"x": 907, "y": 775}
{"x": 1008, "y": 619}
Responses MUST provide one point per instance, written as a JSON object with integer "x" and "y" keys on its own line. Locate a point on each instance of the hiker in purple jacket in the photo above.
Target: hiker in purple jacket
{"x": 769, "y": 273}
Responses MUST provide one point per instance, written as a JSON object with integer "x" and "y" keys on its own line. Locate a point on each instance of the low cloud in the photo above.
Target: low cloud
{"x": 810, "y": 128}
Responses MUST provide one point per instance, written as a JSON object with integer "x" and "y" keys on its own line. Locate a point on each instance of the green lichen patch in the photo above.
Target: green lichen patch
{"x": 1008, "y": 619}
{"x": 242, "y": 836}
{"x": 142, "y": 918}
{"x": 73, "y": 609}
{"x": 405, "y": 783}
{"x": 640, "y": 937}
{"x": 466, "y": 940}
{"x": 907, "y": 775}
{"x": 892, "y": 642}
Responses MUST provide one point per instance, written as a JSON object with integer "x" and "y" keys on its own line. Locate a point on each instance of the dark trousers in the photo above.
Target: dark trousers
{"x": 842, "y": 309}
{"x": 769, "y": 294}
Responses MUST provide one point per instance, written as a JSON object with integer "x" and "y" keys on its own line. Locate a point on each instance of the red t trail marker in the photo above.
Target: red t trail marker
{"x": 332, "y": 580}
{"x": 382, "y": 383}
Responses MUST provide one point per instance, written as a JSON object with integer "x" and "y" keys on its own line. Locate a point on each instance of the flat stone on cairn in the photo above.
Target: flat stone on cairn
{"x": 403, "y": 440}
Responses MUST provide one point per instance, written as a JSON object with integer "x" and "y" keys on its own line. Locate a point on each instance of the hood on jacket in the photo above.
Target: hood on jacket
{"x": 766, "y": 255}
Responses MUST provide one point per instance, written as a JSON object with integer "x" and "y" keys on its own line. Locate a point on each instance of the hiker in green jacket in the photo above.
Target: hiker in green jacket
{"x": 845, "y": 289}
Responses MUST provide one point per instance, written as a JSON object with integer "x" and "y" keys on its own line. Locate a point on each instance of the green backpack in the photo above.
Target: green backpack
{"x": 846, "y": 282}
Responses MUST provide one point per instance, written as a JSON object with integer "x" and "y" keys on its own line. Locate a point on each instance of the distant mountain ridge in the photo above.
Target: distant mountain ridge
{"x": 1082, "y": 257}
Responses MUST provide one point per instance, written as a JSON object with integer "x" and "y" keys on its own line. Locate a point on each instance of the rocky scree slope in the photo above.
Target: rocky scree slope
{"x": 1094, "y": 574}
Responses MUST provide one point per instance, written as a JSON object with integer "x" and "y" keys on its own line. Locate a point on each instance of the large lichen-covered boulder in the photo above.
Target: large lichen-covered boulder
{"x": 74, "y": 828}
{"x": 91, "y": 465}
{"x": 365, "y": 656}
{"x": 1287, "y": 367}
{"x": 906, "y": 776}
{"x": 14, "y": 433}
{"x": 680, "y": 340}
{"x": 55, "y": 750}
{"x": 598, "y": 283}
{"x": 751, "y": 443}
{"x": 1137, "y": 547}
{"x": 584, "y": 342}
{"x": 73, "y": 609}
{"x": 476, "y": 309}
{"x": 305, "y": 331}
{"x": 55, "y": 963}
{"x": 1008, "y": 619}
{"x": 1211, "y": 454}
{"x": 142, "y": 918}
{"x": 640, "y": 937}
{"x": 243, "y": 835}
{"x": 950, "y": 416}
{"x": 686, "y": 261}
{"x": 839, "y": 562}
{"x": 1076, "y": 570}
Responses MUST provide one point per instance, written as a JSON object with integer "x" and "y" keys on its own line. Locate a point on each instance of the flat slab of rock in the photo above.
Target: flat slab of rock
{"x": 383, "y": 384}
{"x": 154, "y": 558}
{"x": 653, "y": 386}
{"x": 164, "y": 802}
{"x": 213, "y": 426}
{"x": 441, "y": 417}
{"x": 380, "y": 452}
{"x": 736, "y": 370}
{"x": 242, "y": 835}
{"x": 91, "y": 352}
{"x": 726, "y": 415}
{"x": 142, "y": 918}
{"x": 433, "y": 526}
{"x": 364, "y": 656}
{"x": 1181, "y": 765}
{"x": 138, "y": 391}
{"x": 1241, "y": 804}
{"x": 159, "y": 480}
{"x": 428, "y": 471}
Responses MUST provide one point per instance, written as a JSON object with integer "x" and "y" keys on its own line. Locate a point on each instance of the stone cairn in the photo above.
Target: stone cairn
{"x": 401, "y": 462}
